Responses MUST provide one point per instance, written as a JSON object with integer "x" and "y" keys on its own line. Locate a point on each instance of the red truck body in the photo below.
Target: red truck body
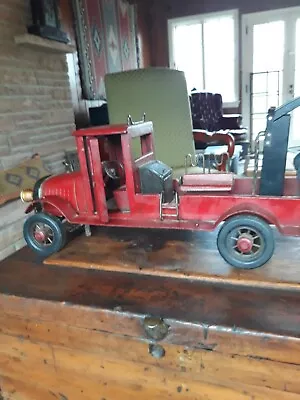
{"x": 113, "y": 188}
{"x": 204, "y": 200}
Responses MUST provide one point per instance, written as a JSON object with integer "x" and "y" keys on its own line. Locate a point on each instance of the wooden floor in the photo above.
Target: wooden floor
{"x": 77, "y": 333}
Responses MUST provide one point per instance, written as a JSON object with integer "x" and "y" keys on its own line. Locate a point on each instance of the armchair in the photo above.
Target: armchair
{"x": 207, "y": 115}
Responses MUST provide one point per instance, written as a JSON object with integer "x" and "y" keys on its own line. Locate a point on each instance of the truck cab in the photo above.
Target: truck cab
{"x": 114, "y": 183}
{"x": 111, "y": 181}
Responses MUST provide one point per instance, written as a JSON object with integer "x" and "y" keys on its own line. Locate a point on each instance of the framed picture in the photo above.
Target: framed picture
{"x": 45, "y": 18}
{"x": 51, "y": 14}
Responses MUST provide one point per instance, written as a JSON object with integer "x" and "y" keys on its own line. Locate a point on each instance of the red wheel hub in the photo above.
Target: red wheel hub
{"x": 40, "y": 236}
{"x": 245, "y": 244}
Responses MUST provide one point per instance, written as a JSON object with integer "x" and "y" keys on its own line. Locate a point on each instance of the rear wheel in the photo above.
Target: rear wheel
{"x": 44, "y": 234}
{"x": 246, "y": 242}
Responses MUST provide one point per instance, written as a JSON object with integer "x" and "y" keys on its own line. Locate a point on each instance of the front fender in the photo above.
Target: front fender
{"x": 31, "y": 207}
{"x": 61, "y": 205}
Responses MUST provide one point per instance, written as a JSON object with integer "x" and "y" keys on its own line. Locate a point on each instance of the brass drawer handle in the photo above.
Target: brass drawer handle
{"x": 155, "y": 328}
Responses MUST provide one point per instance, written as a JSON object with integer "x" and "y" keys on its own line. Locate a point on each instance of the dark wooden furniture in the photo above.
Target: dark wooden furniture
{"x": 74, "y": 333}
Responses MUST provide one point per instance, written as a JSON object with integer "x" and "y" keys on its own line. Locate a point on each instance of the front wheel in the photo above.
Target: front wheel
{"x": 246, "y": 242}
{"x": 44, "y": 234}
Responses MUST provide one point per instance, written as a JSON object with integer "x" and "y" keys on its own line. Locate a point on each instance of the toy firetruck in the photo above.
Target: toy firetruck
{"x": 113, "y": 188}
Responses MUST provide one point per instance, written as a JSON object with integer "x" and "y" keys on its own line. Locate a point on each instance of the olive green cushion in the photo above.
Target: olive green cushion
{"x": 162, "y": 94}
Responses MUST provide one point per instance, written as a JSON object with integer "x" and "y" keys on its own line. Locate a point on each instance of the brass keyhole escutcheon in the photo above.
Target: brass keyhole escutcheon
{"x": 155, "y": 328}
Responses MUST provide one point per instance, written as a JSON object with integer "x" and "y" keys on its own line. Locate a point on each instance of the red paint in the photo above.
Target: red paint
{"x": 88, "y": 197}
{"x": 40, "y": 236}
{"x": 206, "y": 183}
{"x": 244, "y": 244}
{"x": 106, "y": 130}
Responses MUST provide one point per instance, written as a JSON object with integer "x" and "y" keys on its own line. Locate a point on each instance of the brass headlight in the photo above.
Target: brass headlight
{"x": 26, "y": 195}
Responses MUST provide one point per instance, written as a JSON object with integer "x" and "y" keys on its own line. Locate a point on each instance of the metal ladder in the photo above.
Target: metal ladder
{"x": 167, "y": 206}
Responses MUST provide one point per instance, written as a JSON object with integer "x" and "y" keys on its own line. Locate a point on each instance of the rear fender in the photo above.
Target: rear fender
{"x": 250, "y": 209}
{"x": 64, "y": 208}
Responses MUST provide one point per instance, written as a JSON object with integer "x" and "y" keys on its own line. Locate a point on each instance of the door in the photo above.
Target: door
{"x": 271, "y": 67}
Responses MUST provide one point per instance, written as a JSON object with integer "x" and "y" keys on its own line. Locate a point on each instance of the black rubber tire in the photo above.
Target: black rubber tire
{"x": 58, "y": 229}
{"x": 244, "y": 261}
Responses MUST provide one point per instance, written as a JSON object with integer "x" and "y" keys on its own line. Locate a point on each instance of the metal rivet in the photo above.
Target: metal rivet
{"x": 156, "y": 351}
{"x": 155, "y": 328}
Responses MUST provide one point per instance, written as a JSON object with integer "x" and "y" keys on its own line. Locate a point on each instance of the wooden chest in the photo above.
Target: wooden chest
{"x": 70, "y": 333}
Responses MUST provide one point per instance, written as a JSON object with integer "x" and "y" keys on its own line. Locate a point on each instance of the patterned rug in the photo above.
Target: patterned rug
{"x": 106, "y": 34}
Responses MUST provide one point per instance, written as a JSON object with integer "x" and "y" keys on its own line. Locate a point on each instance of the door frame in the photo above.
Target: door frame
{"x": 287, "y": 13}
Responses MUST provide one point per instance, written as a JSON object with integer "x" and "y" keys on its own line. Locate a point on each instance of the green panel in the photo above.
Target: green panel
{"x": 162, "y": 94}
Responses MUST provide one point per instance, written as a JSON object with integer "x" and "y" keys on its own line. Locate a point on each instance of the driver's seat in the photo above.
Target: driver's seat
{"x": 121, "y": 198}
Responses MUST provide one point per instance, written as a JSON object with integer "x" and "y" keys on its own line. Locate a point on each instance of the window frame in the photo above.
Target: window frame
{"x": 201, "y": 18}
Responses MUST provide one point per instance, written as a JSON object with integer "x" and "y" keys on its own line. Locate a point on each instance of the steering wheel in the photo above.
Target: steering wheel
{"x": 113, "y": 169}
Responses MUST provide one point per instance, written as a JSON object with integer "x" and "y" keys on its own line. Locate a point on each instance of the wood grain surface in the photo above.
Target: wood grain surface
{"x": 187, "y": 255}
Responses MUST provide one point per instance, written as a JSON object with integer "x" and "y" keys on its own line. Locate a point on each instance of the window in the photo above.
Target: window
{"x": 268, "y": 64}
{"x": 205, "y": 48}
